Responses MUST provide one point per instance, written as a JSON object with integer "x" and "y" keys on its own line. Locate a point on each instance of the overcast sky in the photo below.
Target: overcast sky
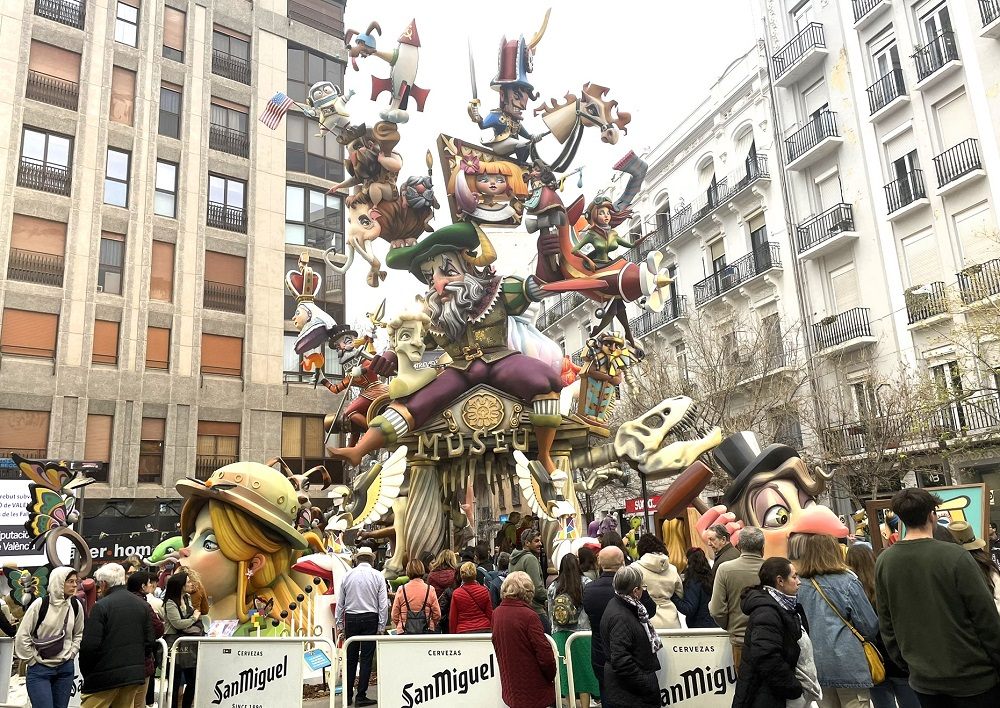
{"x": 658, "y": 59}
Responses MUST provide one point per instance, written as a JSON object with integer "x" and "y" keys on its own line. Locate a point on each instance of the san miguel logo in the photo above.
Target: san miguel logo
{"x": 249, "y": 680}
{"x": 449, "y": 681}
{"x": 697, "y": 682}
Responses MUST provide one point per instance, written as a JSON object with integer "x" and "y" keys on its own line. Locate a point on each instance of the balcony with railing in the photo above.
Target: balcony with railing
{"x": 67, "y": 12}
{"x": 228, "y": 140}
{"x": 844, "y": 331}
{"x": 555, "y": 308}
{"x": 865, "y": 11}
{"x": 33, "y": 267}
{"x": 958, "y": 165}
{"x": 754, "y": 170}
{"x": 231, "y": 67}
{"x": 887, "y": 94}
{"x": 989, "y": 11}
{"x": 742, "y": 270}
{"x": 979, "y": 282}
{"x": 803, "y": 52}
{"x": 827, "y": 231}
{"x": 54, "y": 179}
{"x": 223, "y": 216}
{"x": 225, "y": 297}
{"x": 698, "y": 209}
{"x": 205, "y": 465}
{"x": 936, "y": 59}
{"x": 648, "y": 321}
{"x": 813, "y": 141}
{"x": 925, "y": 302}
{"x": 52, "y": 90}
{"x": 906, "y": 194}
{"x": 655, "y": 240}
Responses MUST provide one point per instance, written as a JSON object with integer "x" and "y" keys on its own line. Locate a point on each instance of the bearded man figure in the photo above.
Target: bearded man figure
{"x": 468, "y": 306}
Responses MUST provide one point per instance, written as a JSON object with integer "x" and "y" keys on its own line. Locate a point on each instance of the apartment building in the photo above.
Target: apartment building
{"x": 147, "y": 222}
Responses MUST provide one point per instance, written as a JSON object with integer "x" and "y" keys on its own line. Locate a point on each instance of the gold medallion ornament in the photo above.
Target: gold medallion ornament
{"x": 483, "y": 411}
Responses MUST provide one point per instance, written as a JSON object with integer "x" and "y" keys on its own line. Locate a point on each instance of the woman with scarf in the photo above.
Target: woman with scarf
{"x": 630, "y": 645}
{"x": 49, "y": 643}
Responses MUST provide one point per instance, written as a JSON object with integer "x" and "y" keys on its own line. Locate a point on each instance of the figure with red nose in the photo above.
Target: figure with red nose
{"x": 468, "y": 305}
{"x": 771, "y": 489}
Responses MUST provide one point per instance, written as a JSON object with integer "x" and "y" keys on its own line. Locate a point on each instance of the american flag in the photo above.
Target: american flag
{"x": 275, "y": 110}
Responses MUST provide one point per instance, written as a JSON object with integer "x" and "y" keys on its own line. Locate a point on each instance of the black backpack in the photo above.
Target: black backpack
{"x": 416, "y": 622}
{"x": 43, "y": 610}
{"x": 495, "y": 582}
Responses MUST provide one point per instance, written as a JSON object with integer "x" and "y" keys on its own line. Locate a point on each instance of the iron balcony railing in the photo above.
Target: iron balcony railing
{"x": 577, "y": 357}
{"x": 205, "y": 465}
{"x": 68, "y": 12}
{"x": 788, "y": 55}
{"x": 557, "y": 308}
{"x": 905, "y": 190}
{"x": 863, "y": 7}
{"x": 229, "y": 140}
{"x": 755, "y": 168}
{"x": 810, "y": 135}
{"x": 957, "y": 161}
{"x": 653, "y": 241}
{"x": 47, "y": 178}
{"x": 835, "y": 220}
{"x": 980, "y": 281}
{"x": 222, "y": 216}
{"x": 926, "y": 301}
{"x": 34, "y": 267}
{"x": 761, "y": 259}
{"x": 232, "y": 67}
{"x": 651, "y": 321}
{"x": 700, "y": 207}
{"x": 886, "y": 90}
{"x": 935, "y": 54}
{"x": 225, "y": 297}
{"x": 989, "y": 10}
{"x": 52, "y": 90}
{"x": 842, "y": 327}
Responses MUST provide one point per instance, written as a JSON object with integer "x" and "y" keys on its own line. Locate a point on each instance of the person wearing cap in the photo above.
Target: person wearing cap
{"x": 362, "y": 604}
{"x": 936, "y": 614}
{"x": 526, "y": 560}
{"x": 965, "y": 535}
{"x": 731, "y": 579}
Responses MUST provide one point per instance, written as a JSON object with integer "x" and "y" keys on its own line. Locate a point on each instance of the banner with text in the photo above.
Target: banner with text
{"x": 696, "y": 669}
{"x": 249, "y": 674}
{"x": 16, "y": 542}
{"x": 636, "y": 506}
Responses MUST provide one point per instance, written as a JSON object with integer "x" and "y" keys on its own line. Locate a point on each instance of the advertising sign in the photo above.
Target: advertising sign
{"x": 635, "y": 506}
{"x": 439, "y": 672}
{"x": 249, "y": 674}
{"x": 961, "y": 502}
{"x": 696, "y": 670}
{"x": 14, "y": 538}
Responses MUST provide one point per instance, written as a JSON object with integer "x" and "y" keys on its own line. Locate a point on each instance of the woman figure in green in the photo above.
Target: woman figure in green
{"x": 598, "y": 241}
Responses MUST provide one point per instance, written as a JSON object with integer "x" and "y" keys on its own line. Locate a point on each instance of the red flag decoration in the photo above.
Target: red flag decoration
{"x": 275, "y": 110}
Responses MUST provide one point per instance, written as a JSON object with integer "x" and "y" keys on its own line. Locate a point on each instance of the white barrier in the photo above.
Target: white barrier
{"x": 6, "y": 662}
{"x": 694, "y": 664}
{"x": 460, "y": 664}
{"x": 247, "y": 670}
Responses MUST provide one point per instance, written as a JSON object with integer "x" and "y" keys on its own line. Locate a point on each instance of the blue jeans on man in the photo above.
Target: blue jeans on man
{"x": 50, "y": 686}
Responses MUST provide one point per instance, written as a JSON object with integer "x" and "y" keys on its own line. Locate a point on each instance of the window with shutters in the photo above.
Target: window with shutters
{"x": 157, "y": 347}
{"x": 844, "y": 289}
{"x": 717, "y": 252}
{"x": 45, "y": 162}
{"x": 53, "y": 76}
{"x": 127, "y": 23}
{"x": 977, "y": 234}
{"x": 221, "y": 355}
{"x": 111, "y": 267}
{"x": 955, "y": 121}
{"x": 173, "y": 33}
{"x": 313, "y": 218}
{"x": 29, "y": 333}
{"x": 122, "y": 107}
{"x": 161, "y": 272}
{"x": 165, "y": 196}
{"x": 225, "y": 279}
{"x": 923, "y": 262}
{"x": 231, "y": 55}
{"x": 151, "y": 443}
{"x": 828, "y": 191}
{"x": 97, "y": 444}
{"x": 105, "y": 342}
{"x": 863, "y": 398}
{"x": 37, "y": 251}
{"x": 218, "y": 446}
{"x": 302, "y": 442}
{"x": 230, "y": 128}
{"x": 116, "y": 176}
{"x": 24, "y": 432}
{"x": 680, "y": 353}
{"x": 170, "y": 111}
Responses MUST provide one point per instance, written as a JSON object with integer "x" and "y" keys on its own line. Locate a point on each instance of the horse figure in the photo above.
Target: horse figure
{"x": 566, "y": 122}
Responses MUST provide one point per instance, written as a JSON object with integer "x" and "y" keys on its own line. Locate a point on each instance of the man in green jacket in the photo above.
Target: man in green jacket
{"x": 526, "y": 559}
{"x": 936, "y": 613}
{"x": 730, "y": 579}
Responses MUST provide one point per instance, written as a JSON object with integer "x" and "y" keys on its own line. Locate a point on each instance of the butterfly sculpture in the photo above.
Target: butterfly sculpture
{"x": 26, "y": 585}
{"x": 51, "y": 475}
{"x": 262, "y": 606}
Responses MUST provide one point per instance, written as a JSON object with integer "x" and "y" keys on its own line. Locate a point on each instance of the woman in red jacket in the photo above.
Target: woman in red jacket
{"x": 527, "y": 664}
{"x": 471, "y": 607}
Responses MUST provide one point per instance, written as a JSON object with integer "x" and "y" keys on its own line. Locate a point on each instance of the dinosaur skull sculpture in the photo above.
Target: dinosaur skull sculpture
{"x": 641, "y": 441}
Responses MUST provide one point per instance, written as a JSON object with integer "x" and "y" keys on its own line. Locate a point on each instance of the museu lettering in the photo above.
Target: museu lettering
{"x": 449, "y": 681}
{"x": 249, "y": 680}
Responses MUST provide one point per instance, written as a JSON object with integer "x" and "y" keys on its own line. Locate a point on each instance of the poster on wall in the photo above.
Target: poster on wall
{"x": 960, "y": 502}
{"x": 16, "y": 543}
{"x": 696, "y": 669}
{"x": 249, "y": 673}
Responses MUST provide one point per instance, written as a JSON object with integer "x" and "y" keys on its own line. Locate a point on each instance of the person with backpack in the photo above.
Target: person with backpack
{"x": 565, "y": 603}
{"x": 497, "y": 577}
{"x": 415, "y": 609}
{"x": 471, "y": 609}
{"x": 443, "y": 577}
{"x": 49, "y": 638}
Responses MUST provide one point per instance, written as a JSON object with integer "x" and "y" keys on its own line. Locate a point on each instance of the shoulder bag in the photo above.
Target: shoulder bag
{"x": 875, "y": 664}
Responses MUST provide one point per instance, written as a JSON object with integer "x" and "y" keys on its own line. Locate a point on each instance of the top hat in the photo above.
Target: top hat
{"x": 966, "y": 535}
{"x": 741, "y": 456}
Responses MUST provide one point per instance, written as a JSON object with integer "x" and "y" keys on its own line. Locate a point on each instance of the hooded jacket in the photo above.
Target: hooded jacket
{"x": 770, "y": 652}
{"x": 61, "y": 609}
{"x": 528, "y": 562}
{"x": 662, "y": 582}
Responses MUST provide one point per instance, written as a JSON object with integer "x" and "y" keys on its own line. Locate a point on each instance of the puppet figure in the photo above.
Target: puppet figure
{"x": 402, "y": 63}
{"x": 314, "y": 325}
{"x": 356, "y": 356}
{"x": 406, "y": 338}
{"x": 598, "y": 241}
{"x": 328, "y": 106}
{"x": 606, "y": 362}
{"x": 373, "y": 163}
{"x": 488, "y": 191}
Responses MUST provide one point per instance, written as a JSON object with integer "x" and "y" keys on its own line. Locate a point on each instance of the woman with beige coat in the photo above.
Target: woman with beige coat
{"x": 661, "y": 580}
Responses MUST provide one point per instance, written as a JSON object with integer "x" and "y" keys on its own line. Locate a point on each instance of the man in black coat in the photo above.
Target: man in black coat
{"x": 596, "y": 596}
{"x": 116, "y": 639}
